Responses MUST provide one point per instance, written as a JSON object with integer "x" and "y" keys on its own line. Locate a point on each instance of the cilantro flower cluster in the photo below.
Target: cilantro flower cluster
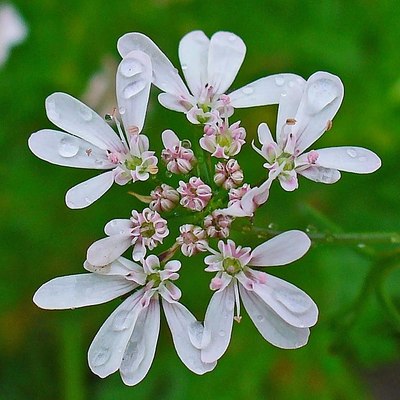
{"x": 200, "y": 179}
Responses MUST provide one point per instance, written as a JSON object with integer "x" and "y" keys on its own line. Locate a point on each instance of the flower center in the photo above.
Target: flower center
{"x": 286, "y": 160}
{"x": 133, "y": 162}
{"x": 155, "y": 277}
{"x": 147, "y": 230}
{"x": 232, "y": 266}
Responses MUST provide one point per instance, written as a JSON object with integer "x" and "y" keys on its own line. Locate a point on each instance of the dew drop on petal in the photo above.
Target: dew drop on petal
{"x": 284, "y": 94}
{"x": 101, "y": 357}
{"x": 68, "y": 147}
{"x": 260, "y": 318}
{"x": 247, "y": 90}
{"x": 352, "y": 153}
{"x": 232, "y": 38}
{"x": 321, "y": 93}
{"x": 134, "y": 88}
{"x": 130, "y": 67}
{"x": 222, "y": 333}
{"x": 88, "y": 200}
{"x": 279, "y": 80}
{"x": 291, "y": 84}
{"x": 294, "y": 301}
{"x": 184, "y": 66}
{"x": 85, "y": 113}
{"x": 122, "y": 110}
{"x": 120, "y": 321}
{"x": 362, "y": 159}
{"x": 195, "y": 331}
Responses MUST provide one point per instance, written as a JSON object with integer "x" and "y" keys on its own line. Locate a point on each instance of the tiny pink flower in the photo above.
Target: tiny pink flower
{"x": 192, "y": 239}
{"x": 164, "y": 198}
{"x": 236, "y": 194}
{"x": 228, "y": 175}
{"x": 178, "y": 159}
{"x": 195, "y": 194}
{"x": 223, "y": 141}
{"x": 143, "y": 230}
{"x": 217, "y": 225}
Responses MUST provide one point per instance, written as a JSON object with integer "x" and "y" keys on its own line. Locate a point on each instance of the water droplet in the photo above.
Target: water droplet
{"x": 321, "y": 93}
{"x": 361, "y": 245}
{"x": 284, "y": 93}
{"x": 99, "y": 162}
{"x": 68, "y": 147}
{"x": 291, "y": 84}
{"x": 122, "y": 110}
{"x": 130, "y": 67}
{"x": 352, "y": 153}
{"x": 186, "y": 144}
{"x": 101, "y": 357}
{"x": 222, "y": 333}
{"x": 311, "y": 229}
{"x": 272, "y": 226}
{"x": 134, "y": 88}
{"x": 260, "y": 318}
{"x": 168, "y": 174}
{"x": 362, "y": 159}
{"x": 86, "y": 113}
{"x": 120, "y": 321}
{"x": 88, "y": 200}
{"x": 247, "y": 90}
{"x": 280, "y": 80}
{"x": 232, "y": 38}
{"x": 195, "y": 332}
{"x": 184, "y": 66}
{"x": 108, "y": 117}
{"x": 294, "y": 301}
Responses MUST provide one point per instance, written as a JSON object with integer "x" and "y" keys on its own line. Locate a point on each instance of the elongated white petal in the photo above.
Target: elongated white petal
{"x": 165, "y": 75}
{"x": 225, "y": 56}
{"x": 218, "y": 324}
{"x": 109, "y": 345}
{"x": 174, "y": 102}
{"x": 86, "y": 193}
{"x": 264, "y": 91}
{"x": 118, "y": 226}
{"x": 139, "y": 353}
{"x": 321, "y": 174}
{"x": 280, "y": 250}
{"x": 264, "y": 134}
{"x": 349, "y": 159}
{"x": 288, "y": 301}
{"x": 193, "y": 55}
{"x": 108, "y": 249}
{"x": 180, "y": 321}
{"x": 288, "y": 105}
{"x": 78, "y": 119}
{"x": 272, "y": 327}
{"x": 322, "y": 97}
{"x": 80, "y": 290}
{"x": 64, "y": 149}
{"x": 134, "y": 76}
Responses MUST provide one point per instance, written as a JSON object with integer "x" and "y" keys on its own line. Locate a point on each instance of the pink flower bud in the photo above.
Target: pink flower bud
{"x": 217, "y": 225}
{"x": 236, "y": 195}
{"x": 228, "y": 175}
{"x": 192, "y": 239}
{"x": 164, "y": 198}
{"x": 195, "y": 194}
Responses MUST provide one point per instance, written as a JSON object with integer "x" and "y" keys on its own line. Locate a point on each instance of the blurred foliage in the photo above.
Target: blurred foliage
{"x": 44, "y": 353}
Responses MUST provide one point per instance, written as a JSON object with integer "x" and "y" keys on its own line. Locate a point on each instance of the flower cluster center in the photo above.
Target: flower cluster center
{"x": 232, "y": 266}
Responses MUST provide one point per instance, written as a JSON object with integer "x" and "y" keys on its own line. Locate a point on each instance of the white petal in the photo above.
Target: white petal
{"x": 121, "y": 266}
{"x": 165, "y": 75}
{"x": 173, "y": 102}
{"x": 264, "y": 134}
{"x": 321, "y": 100}
{"x": 108, "y": 249}
{"x": 288, "y": 301}
{"x": 169, "y": 139}
{"x": 86, "y": 193}
{"x": 320, "y": 174}
{"x": 349, "y": 159}
{"x": 80, "y": 290}
{"x": 78, "y": 119}
{"x": 280, "y": 250}
{"x": 264, "y": 91}
{"x": 273, "y": 328}
{"x": 218, "y": 324}
{"x": 139, "y": 353}
{"x": 134, "y": 76}
{"x": 64, "y": 149}
{"x": 118, "y": 226}
{"x": 193, "y": 55}
{"x": 108, "y": 347}
{"x": 180, "y": 320}
{"x": 225, "y": 56}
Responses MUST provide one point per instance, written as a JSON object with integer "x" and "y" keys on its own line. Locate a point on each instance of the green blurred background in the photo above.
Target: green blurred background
{"x": 353, "y": 351}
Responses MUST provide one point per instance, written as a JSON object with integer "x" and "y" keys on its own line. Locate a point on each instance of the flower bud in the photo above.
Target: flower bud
{"x": 192, "y": 239}
{"x": 228, "y": 175}
{"x": 164, "y": 198}
{"x": 195, "y": 194}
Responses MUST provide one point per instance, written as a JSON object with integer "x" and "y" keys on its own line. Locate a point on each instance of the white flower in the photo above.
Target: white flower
{"x": 280, "y": 311}
{"x": 92, "y": 143}
{"x": 305, "y": 112}
{"x": 12, "y": 30}
{"x": 143, "y": 230}
{"x": 209, "y": 66}
{"x": 128, "y": 338}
